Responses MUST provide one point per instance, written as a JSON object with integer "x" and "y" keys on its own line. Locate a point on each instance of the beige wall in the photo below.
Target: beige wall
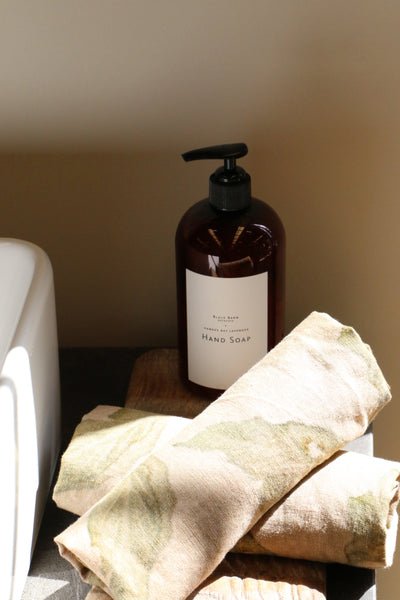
{"x": 98, "y": 100}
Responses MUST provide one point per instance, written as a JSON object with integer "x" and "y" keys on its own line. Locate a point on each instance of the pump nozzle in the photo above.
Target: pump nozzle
{"x": 229, "y": 185}
{"x": 225, "y": 151}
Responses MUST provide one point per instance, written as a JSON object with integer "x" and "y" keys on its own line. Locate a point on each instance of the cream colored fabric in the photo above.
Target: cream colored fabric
{"x": 344, "y": 511}
{"x": 195, "y": 497}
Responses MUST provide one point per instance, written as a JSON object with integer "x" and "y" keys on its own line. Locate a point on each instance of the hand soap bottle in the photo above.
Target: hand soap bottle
{"x": 230, "y": 269}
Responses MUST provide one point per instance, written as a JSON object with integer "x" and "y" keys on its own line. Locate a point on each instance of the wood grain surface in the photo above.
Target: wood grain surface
{"x": 251, "y": 577}
{"x": 155, "y": 386}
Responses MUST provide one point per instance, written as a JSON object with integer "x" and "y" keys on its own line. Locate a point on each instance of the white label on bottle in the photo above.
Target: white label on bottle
{"x": 227, "y": 326}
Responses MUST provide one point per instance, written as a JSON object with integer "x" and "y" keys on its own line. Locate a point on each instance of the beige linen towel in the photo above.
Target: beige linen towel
{"x": 195, "y": 497}
{"x": 344, "y": 511}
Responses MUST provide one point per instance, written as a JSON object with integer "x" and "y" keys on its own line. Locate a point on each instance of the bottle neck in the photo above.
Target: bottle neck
{"x": 230, "y": 190}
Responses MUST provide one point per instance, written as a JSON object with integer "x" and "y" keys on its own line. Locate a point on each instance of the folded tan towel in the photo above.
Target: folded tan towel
{"x": 344, "y": 511}
{"x": 195, "y": 497}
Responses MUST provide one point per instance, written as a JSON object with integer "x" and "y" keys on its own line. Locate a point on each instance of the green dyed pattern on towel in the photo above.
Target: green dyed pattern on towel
{"x": 263, "y": 450}
{"x": 139, "y": 517}
{"x": 120, "y": 434}
{"x": 367, "y": 545}
{"x": 368, "y": 539}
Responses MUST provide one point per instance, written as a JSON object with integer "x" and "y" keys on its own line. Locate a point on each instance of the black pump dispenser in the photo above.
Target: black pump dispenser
{"x": 230, "y": 185}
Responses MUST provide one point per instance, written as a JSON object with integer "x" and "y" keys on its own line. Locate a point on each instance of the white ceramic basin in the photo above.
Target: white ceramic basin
{"x": 29, "y": 404}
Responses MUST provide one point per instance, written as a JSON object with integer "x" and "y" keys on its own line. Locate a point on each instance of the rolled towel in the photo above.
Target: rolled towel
{"x": 344, "y": 511}
{"x": 171, "y": 520}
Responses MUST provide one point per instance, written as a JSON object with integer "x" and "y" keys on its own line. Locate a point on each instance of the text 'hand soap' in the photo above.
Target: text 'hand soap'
{"x": 230, "y": 268}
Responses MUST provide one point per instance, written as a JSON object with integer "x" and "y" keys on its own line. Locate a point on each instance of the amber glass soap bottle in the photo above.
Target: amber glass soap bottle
{"x": 230, "y": 269}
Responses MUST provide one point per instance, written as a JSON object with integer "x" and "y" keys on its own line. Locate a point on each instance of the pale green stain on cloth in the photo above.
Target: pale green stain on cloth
{"x": 92, "y": 436}
{"x": 141, "y": 518}
{"x": 368, "y": 543}
{"x": 265, "y": 450}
